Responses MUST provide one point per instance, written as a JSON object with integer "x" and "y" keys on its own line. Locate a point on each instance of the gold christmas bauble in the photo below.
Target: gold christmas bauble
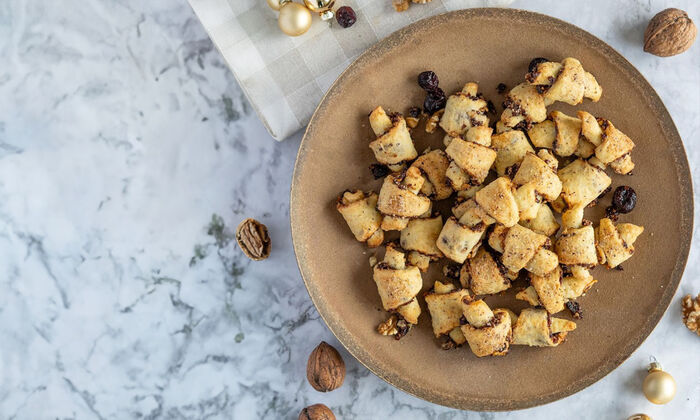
{"x": 659, "y": 387}
{"x": 294, "y": 19}
{"x": 319, "y": 6}
{"x": 274, "y": 4}
{"x": 639, "y": 417}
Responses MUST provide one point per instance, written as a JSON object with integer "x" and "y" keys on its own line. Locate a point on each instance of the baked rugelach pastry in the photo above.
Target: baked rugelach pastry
{"x": 445, "y": 306}
{"x": 498, "y": 200}
{"x": 419, "y": 237}
{"x": 359, "y": 210}
{"x": 470, "y": 157}
{"x": 400, "y": 199}
{"x": 433, "y": 165}
{"x": 576, "y": 246}
{"x": 511, "y": 148}
{"x": 581, "y": 184}
{"x": 523, "y": 106}
{"x": 487, "y": 332}
{"x": 615, "y": 147}
{"x": 461, "y": 235}
{"x": 615, "y": 244}
{"x": 536, "y": 182}
{"x": 464, "y": 110}
{"x": 544, "y": 222}
{"x": 536, "y": 327}
{"x": 553, "y": 290}
{"x": 562, "y": 134}
{"x": 469, "y": 192}
{"x": 398, "y": 284}
{"x": 522, "y": 248}
{"x": 394, "y": 145}
{"x": 587, "y": 137}
{"x": 566, "y": 82}
{"x": 484, "y": 275}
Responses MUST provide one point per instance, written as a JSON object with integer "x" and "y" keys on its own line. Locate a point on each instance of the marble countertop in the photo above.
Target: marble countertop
{"x": 128, "y": 154}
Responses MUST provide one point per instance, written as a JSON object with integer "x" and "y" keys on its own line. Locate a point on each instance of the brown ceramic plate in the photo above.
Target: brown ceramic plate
{"x": 488, "y": 46}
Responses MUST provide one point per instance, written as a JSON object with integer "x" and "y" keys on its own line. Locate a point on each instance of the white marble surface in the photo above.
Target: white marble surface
{"x": 121, "y": 134}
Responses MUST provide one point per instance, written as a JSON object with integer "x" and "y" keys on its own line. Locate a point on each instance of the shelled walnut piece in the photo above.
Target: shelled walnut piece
{"x": 690, "y": 311}
{"x": 402, "y": 5}
{"x": 253, "y": 239}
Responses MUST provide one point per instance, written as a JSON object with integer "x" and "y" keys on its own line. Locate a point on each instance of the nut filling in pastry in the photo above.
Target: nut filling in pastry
{"x": 519, "y": 191}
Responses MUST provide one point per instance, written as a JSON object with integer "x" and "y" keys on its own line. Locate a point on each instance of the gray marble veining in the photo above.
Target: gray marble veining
{"x": 127, "y": 156}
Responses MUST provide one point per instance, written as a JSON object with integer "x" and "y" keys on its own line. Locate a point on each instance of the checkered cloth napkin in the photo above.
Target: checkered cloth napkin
{"x": 285, "y": 77}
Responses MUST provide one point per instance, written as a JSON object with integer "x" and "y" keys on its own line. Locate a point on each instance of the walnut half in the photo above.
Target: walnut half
{"x": 690, "y": 310}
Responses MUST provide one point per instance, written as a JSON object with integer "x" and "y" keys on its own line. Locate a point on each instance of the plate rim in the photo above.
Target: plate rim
{"x": 686, "y": 211}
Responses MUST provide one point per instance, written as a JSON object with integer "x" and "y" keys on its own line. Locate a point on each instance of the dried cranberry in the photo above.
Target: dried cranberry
{"x": 414, "y": 112}
{"x": 501, "y": 88}
{"x": 491, "y": 107}
{"x": 624, "y": 199}
{"x": 575, "y": 309}
{"x": 345, "y": 16}
{"x": 434, "y": 101}
{"x": 379, "y": 170}
{"x": 428, "y": 80}
{"x": 534, "y": 63}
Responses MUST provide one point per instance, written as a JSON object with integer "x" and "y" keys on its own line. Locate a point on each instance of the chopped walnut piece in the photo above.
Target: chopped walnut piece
{"x": 433, "y": 121}
{"x": 400, "y": 5}
{"x": 388, "y": 327}
{"x": 690, "y": 309}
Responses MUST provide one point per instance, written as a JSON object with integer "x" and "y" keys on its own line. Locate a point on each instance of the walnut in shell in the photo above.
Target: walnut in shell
{"x": 325, "y": 369}
{"x": 253, "y": 239}
{"x": 670, "y": 32}
{"x": 316, "y": 412}
{"x": 691, "y": 312}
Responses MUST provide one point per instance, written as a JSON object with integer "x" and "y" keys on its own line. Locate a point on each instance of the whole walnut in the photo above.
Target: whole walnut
{"x": 325, "y": 369}
{"x": 670, "y": 32}
{"x": 316, "y": 412}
